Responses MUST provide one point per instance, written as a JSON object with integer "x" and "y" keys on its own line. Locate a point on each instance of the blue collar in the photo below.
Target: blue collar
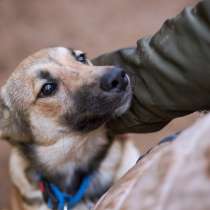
{"x": 58, "y": 200}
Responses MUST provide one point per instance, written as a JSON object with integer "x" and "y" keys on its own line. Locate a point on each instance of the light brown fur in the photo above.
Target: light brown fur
{"x": 41, "y": 130}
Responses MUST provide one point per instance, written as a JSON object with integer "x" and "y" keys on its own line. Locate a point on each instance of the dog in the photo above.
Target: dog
{"x": 53, "y": 112}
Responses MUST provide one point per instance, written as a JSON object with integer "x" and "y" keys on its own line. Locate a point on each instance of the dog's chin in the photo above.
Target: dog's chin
{"x": 93, "y": 122}
{"x": 123, "y": 106}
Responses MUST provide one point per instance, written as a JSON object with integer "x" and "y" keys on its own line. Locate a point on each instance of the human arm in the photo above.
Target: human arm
{"x": 171, "y": 72}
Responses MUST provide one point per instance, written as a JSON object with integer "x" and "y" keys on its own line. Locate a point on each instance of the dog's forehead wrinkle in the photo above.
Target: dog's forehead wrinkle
{"x": 31, "y": 63}
{"x": 46, "y": 75}
{"x": 56, "y": 61}
{"x": 36, "y": 63}
{"x": 44, "y": 65}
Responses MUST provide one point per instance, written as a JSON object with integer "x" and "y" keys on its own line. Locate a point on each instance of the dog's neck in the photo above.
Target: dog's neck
{"x": 65, "y": 163}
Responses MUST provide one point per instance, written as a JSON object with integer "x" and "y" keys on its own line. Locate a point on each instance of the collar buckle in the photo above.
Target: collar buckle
{"x": 65, "y": 207}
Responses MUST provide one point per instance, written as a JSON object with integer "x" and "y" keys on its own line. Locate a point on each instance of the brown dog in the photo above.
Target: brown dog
{"x": 52, "y": 111}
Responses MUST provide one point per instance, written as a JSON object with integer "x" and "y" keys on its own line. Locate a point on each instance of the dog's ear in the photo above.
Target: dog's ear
{"x": 13, "y": 127}
{"x": 5, "y": 117}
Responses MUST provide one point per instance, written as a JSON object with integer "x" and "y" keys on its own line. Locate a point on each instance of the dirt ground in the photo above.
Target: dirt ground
{"x": 93, "y": 26}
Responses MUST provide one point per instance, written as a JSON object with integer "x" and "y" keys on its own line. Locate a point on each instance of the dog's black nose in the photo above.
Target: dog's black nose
{"x": 114, "y": 80}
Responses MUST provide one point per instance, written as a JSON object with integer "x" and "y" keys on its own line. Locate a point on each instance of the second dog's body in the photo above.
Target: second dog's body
{"x": 53, "y": 111}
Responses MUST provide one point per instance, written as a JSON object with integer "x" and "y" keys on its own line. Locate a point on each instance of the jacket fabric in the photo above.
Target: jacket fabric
{"x": 170, "y": 72}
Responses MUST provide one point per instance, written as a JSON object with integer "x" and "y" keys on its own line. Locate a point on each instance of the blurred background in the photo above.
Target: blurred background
{"x": 93, "y": 26}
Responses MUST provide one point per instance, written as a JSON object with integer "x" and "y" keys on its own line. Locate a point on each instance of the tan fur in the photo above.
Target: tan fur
{"x": 28, "y": 119}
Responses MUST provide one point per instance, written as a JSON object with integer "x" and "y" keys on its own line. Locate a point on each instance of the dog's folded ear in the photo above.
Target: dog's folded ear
{"x": 5, "y": 119}
{"x": 13, "y": 128}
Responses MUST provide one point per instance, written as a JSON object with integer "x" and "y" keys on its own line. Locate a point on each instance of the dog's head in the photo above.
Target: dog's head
{"x": 57, "y": 91}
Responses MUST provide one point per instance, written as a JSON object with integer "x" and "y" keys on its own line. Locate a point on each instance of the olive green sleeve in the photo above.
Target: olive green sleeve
{"x": 170, "y": 72}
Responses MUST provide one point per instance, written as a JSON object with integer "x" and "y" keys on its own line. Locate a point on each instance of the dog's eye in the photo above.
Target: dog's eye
{"x": 81, "y": 58}
{"x": 48, "y": 89}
